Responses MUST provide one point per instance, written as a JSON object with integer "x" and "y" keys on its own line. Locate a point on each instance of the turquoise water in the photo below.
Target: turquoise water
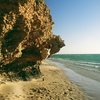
{"x": 80, "y": 57}
{"x": 85, "y": 60}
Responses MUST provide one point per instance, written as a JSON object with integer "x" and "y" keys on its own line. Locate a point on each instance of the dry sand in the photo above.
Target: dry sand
{"x": 52, "y": 85}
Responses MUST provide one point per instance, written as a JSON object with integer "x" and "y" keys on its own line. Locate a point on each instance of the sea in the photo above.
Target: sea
{"x": 89, "y": 61}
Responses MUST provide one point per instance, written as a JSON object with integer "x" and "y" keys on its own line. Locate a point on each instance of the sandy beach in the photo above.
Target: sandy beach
{"x": 52, "y": 85}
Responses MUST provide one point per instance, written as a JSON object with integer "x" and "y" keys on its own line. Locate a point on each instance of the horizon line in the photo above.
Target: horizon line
{"x": 75, "y": 53}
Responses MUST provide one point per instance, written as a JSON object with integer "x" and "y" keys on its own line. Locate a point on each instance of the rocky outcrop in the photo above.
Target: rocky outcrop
{"x": 26, "y": 37}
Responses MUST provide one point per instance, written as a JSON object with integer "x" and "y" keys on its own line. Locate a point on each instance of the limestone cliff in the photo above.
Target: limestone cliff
{"x": 26, "y": 36}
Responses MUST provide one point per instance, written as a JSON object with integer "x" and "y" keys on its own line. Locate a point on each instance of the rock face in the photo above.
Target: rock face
{"x": 26, "y": 37}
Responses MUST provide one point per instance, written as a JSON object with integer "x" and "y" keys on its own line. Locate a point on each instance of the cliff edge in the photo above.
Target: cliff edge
{"x": 26, "y": 37}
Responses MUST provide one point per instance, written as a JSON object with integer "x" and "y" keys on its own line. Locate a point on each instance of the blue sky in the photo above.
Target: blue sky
{"x": 78, "y": 23}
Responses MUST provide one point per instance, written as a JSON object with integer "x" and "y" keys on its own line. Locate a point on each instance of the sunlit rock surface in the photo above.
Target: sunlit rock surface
{"x": 26, "y": 37}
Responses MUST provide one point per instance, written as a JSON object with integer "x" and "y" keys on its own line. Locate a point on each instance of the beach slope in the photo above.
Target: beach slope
{"x": 52, "y": 85}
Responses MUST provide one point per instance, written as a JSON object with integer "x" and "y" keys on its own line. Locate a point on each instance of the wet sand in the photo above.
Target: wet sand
{"x": 52, "y": 85}
{"x": 87, "y": 79}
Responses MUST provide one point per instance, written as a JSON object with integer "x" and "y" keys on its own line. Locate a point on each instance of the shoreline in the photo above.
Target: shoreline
{"x": 81, "y": 77}
{"x": 52, "y": 85}
{"x": 79, "y": 69}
